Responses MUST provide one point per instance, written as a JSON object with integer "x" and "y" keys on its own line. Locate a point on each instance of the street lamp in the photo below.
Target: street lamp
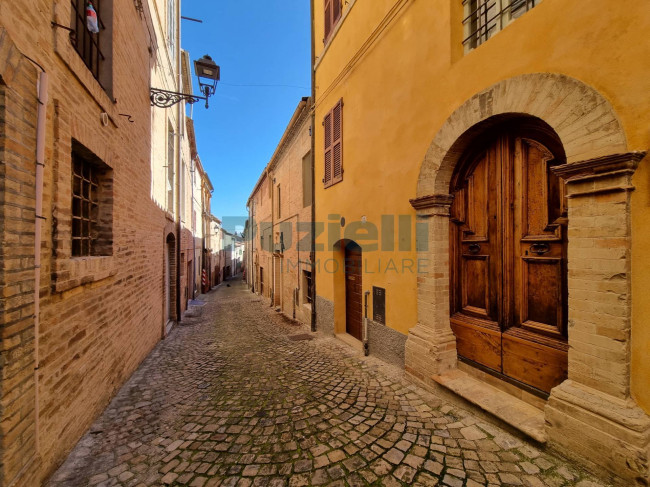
{"x": 208, "y": 74}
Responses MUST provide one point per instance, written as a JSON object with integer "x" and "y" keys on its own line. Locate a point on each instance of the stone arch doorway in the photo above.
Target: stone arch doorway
{"x": 594, "y": 404}
{"x": 345, "y": 266}
{"x": 508, "y": 279}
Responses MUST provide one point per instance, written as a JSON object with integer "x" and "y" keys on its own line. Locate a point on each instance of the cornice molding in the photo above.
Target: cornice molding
{"x": 600, "y": 166}
{"x": 432, "y": 201}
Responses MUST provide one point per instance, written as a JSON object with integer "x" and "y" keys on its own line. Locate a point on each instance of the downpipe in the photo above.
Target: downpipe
{"x": 40, "y": 166}
{"x": 366, "y": 349}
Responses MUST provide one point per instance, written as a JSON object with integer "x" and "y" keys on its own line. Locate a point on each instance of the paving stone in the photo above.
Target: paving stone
{"x": 472, "y": 433}
{"x": 232, "y": 401}
{"x": 433, "y": 467}
{"x": 405, "y": 473}
{"x": 508, "y": 478}
{"x": 452, "y": 481}
{"x": 394, "y": 456}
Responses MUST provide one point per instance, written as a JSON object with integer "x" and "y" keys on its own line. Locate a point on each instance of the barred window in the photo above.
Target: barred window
{"x": 89, "y": 45}
{"x": 484, "y": 18}
{"x": 92, "y": 209}
{"x": 84, "y": 207}
{"x": 307, "y": 287}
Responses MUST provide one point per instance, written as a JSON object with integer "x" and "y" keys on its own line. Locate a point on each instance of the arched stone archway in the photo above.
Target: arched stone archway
{"x": 583, "y": 119}
{"x": 594, "y": 405}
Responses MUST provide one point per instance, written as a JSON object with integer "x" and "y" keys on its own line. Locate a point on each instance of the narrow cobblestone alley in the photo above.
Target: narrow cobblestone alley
{"x": 241, "y": 396}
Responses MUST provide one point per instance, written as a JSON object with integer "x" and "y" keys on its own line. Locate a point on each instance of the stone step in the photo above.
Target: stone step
{"x": 505, "y": 407}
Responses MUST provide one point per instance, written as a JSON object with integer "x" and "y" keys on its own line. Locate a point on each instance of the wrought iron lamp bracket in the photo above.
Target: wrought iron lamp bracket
{"x": 165, "y": 99}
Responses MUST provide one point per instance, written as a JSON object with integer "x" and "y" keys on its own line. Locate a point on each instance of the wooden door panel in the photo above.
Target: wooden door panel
{"x": 353, "y": 292}
{"x": 535, "y": 364}
{"x": 477, "y": 196}
{"x": 480, "y": 344}
{"x": 541, "y": 297}
{"x": 536, "y": 206}
{"x": 476, "y": 285}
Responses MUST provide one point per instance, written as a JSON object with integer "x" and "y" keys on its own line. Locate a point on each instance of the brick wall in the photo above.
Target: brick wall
{"x": 18, "y": 106}
{"x": 100, "y": 316}
{"x": 283, "y": 273}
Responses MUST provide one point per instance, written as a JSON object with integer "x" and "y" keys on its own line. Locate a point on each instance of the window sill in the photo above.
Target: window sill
{"x": 75, "y": 64}
{"x": 78, "y": 271}
{"x": 325, "y": 186}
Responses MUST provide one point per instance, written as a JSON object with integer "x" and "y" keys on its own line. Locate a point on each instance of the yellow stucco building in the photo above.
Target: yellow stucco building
{"x": 481, "y": 181}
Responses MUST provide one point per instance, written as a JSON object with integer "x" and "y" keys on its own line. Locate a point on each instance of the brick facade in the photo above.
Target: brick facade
{"x": 281, "y": 211}
{"x": 99, "y": 316}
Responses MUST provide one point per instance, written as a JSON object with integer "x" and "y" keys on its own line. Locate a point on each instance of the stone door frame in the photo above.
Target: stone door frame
{"x": 591, "y": 415}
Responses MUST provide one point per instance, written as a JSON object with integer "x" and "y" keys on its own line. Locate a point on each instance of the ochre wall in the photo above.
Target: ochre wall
{"x": 400, "y": 80}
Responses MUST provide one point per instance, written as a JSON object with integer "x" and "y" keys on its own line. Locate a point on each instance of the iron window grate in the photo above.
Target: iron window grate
{"x": 87, "y": 44}
{"x": 484, "y": 18}
{"x": 84, "y": 207}
{"x": 309, "y": 286}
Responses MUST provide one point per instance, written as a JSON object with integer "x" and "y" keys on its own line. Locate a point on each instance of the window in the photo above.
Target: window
{"x": 333, "y": 126}
{"x": 279, "y": 203}
{"x": 92, "y": 204}
{"x": 170, "y": 168}
{"x": 306, "y": 181}
{"x": 94, "y": 49}
{"x": 332, "y": 16}
{"x": 484, "y": 18}
{"x": 307, "y": 289}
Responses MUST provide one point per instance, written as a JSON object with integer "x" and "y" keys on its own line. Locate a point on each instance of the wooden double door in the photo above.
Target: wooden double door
{"x": 508, "y": 259}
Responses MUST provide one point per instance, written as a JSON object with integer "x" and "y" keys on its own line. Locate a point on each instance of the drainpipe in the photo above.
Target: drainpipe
{"x": 313, "y": 178}
{"x": 366, "y": 350}
{"x": 192, "y": 172}
{"x": 40, "y": 165}
{"x": 272, "y": 239}
{"x": 180, "y": 110}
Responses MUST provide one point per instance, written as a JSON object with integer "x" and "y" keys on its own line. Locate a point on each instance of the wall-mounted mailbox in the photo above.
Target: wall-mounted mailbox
{"x": 379, "y": 305}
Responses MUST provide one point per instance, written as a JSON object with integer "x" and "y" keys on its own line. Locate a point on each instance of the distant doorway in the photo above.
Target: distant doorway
{"x": 353, "y": 290}
{"x": 170, "y": 279}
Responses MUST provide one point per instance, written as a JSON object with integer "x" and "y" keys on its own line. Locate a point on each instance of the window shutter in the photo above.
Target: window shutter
{"x": 336, "y": 11}
{"x": 327, "y": 124}
{"x": 337, "y": 142}
{"x": 328, "y": 19}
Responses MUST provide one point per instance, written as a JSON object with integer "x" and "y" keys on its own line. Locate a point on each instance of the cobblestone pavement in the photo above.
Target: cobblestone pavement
{"x": 243, "y": 397}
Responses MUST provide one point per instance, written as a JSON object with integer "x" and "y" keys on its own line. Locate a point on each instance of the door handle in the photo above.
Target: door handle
{"x": 474, "y": 248}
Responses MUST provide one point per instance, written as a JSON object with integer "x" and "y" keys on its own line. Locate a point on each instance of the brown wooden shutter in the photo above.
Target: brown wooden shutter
{"x": 336, "y": 11}
{"x": 327, "y": 125}
{"x": 328, "y": 18}
{"x": 337, "y": 142}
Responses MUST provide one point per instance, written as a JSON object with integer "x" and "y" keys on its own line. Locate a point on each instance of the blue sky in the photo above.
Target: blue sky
{"x": 256, "y": 42}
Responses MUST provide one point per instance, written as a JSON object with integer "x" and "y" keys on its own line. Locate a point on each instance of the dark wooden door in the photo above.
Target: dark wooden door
{"x": 353, "y": 290}
{"x": 508, "y": 261}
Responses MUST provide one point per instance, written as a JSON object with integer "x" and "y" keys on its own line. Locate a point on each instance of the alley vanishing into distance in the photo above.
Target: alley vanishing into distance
{"x": 239, "y": 395}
